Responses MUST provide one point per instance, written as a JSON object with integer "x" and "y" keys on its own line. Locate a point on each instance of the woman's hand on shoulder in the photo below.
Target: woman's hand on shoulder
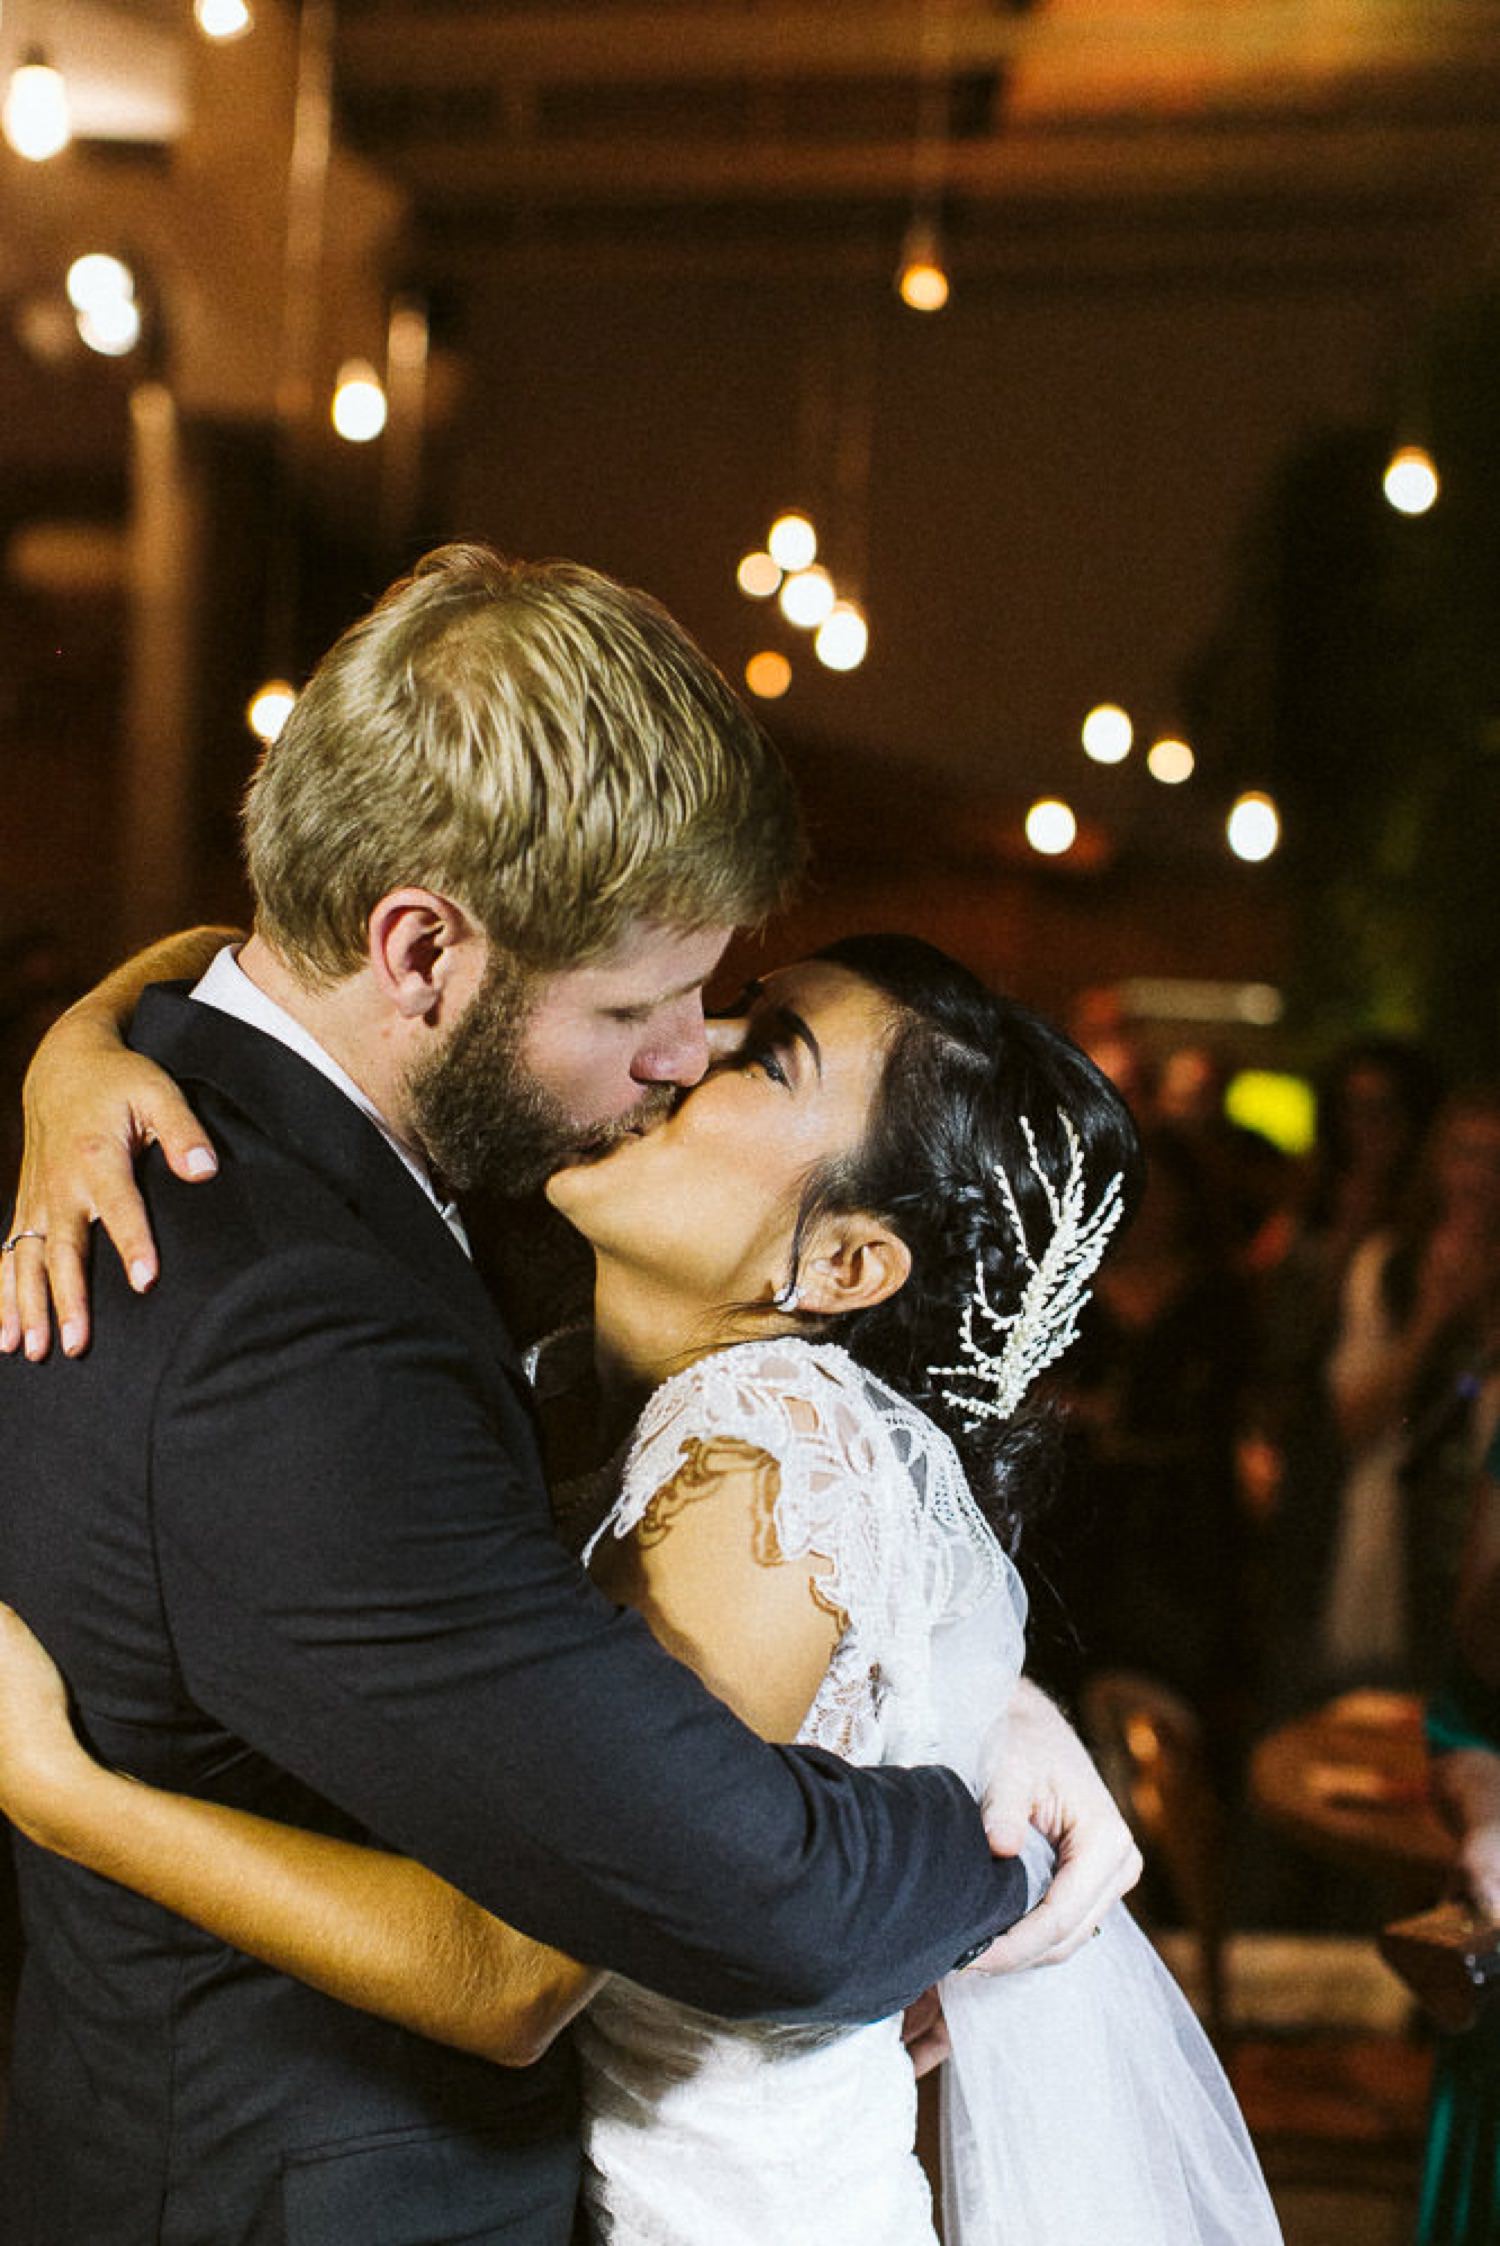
{"x": 42, "y": 1765}
{"x": 91, "y": 1106}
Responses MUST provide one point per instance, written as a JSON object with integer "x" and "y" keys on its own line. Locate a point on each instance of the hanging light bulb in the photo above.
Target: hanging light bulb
{"x": 792, "y": 542}
{"x": 269, "y": 708}
{"x": 1107, "y": 734}
{"x": 1254, "y": 829}
{"x": 222, "y": 19}
{"x": 1051, "y": 827}
{"x": 112, "y": 327}
{"x": 807, "y": 597}
{"x": 758, "y": 576}
{"x": 359, "y": 409}
{"x": 843, "y": 637}
{"x": 1170, "y": 760}
{"x": 35, "y": 116}
{"x": 768, "y": 674}
{"x": 1411, "y": 480}
{"x": 98, "y": 279}
{"x": 921, "y": 277}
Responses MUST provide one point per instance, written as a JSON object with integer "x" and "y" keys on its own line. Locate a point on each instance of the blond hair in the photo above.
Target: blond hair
{"x": 545, "y": 747}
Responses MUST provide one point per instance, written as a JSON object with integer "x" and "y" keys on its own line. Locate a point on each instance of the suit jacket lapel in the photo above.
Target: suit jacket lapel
{"x": 301, "y": 1110}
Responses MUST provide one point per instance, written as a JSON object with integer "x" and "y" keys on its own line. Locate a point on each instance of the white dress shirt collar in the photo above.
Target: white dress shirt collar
{"x": 227, "y": 986}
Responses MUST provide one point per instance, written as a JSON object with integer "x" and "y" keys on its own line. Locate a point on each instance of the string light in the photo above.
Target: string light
{"x": 768, "y": 674}
{"x": 359, "y": 408}
{"x": 35, "y": 117}
{"x": 1171, "y": 761}
{"x": 223, "y": 19}
{"x": 793, "y": 543}
{"x": 101, "y": 290}
{"x": 806, "y": 597}
{"x": 1411, "y": 480}
{"x": 1254, "y": 827}
{"x": 1107, "y": 734}
{"x": 922, "y": 277}
{"x": 758, "y": 576}
{"x": 269, "y": 708}
{"x": 843, "y": 637}
{"x": 1051, "y": 827}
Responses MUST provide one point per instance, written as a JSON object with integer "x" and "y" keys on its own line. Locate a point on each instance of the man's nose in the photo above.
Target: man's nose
{"x": 678, "y": 1055}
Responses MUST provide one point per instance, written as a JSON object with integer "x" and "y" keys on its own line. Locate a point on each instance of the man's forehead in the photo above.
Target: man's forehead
{"x": 649, "y": 965}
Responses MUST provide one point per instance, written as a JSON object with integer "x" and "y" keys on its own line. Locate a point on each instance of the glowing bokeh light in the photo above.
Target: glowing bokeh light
{"x": 1253, "y": 827}
{"x": 269, "y": 709}
{"x": 922, "y": 286}
{"x": 793, "y": 542}
{"x": 768, "y": 674}
{"x": 35, "y": 117}
{"x": 1051, "y": 827}
{"x": 97, "y": 279}
{"x": 758, "y": 576}
{"x": 807, "y": 597}
{"x": 1411, "y": 480}
{"x": 1171, "y": 761}
{"x": 359, "y": 408}
{"x": 1107, "y": 734}
{"x": 843, "y": 637}
{"x": 112, "y": 326}
{"x": 222, "y": 19}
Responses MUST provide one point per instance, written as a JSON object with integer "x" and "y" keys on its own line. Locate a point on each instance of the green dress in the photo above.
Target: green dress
{"x": 1460, "y": 2204}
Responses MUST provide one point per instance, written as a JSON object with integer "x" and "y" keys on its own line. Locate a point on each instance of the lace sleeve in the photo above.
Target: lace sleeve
{"x": 865, "y": 1484}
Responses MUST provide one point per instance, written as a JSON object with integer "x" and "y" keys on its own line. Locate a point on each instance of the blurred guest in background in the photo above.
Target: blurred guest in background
{"x": 1152, "y": 1571}
{"x": 38, "y": 979}
{"x": 1460, "y": 2203}
{"x": 1250, "y": 1178}
{"x": 1375, "y": 1111}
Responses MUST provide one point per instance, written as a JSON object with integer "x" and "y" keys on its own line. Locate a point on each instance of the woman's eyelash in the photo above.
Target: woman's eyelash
{"x": 764, "y": 1056}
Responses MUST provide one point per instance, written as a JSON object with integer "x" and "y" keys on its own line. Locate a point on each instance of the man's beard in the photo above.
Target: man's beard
{"x": 483, "y": 1118}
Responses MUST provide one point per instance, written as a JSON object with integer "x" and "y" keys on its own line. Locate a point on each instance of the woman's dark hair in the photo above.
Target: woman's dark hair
{"x": 963, "y": 1068}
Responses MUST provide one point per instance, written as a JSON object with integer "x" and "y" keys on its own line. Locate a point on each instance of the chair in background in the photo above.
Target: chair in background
{"x": 1313, "y": 2030}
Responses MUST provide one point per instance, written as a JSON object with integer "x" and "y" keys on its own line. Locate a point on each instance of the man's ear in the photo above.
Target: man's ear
{"x": 852, "y": 1263}
{"x": 424, "y": 952}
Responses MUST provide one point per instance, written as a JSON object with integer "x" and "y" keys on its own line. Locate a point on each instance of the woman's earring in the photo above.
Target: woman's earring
{"x": 787, "y": 1297}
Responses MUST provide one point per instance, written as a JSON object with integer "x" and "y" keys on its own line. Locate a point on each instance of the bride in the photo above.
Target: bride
{"x": 794, "y": 1439}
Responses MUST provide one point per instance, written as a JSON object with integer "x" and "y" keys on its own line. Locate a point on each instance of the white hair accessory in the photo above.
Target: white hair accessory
{"x": 1045, "y": 1321}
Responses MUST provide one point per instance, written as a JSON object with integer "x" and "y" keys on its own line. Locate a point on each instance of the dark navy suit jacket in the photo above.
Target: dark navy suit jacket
{"x": 284, "y": 1528}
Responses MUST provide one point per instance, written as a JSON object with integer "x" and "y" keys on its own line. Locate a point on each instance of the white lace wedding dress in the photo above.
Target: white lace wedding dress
{"x": 1083, "y": 2105}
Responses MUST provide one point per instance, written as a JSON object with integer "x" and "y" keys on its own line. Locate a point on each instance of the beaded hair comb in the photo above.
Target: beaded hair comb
{"x": 1045, "y": 1321}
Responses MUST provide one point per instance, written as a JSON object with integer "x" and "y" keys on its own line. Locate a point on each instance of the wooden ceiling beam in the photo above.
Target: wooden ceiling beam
{"x": 835, "y": 39}
{"x": 1213, "y": 162}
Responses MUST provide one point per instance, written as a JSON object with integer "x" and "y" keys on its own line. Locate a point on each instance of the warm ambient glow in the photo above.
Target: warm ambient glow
{"x": 1411, "y": 480}
{"x": 921, "y": 279}
{"x": 768, "y": 674}
{"x": 793, "y": 542}
{"x": 807, "y": 597}
{"x": 222, "y": 19}
{"x": 35, "y": 116}
{"x": 359, "y": 407}
{"x": 843, "y": 637}
{"x": 1254, "y": 828}
{"x": 1051, "y": 827}
{"x": 269, "y": 710}
{"x": 1171, "y": 761}
{"x": 758, "y": 576}
{"x": 1107, "y": 734}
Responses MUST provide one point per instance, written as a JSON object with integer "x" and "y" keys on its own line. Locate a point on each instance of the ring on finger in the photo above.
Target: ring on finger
{"x": 9, "y": 1247}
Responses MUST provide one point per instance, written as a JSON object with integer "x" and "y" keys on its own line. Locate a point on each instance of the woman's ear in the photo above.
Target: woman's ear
{"x": 851, "y": 1264}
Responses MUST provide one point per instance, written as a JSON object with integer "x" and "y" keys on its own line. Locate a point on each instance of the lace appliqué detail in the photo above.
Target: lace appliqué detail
{"x": 852, "y": 1475}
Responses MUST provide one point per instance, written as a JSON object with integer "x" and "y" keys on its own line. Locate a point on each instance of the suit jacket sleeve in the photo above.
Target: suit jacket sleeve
{"x": 362, "y": 1583}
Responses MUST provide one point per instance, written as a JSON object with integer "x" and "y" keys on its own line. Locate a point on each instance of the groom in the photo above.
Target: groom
{"x": 283, "y": 1524}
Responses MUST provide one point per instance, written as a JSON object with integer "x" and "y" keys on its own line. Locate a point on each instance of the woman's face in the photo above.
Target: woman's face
{"x": 705, "y": 1203}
